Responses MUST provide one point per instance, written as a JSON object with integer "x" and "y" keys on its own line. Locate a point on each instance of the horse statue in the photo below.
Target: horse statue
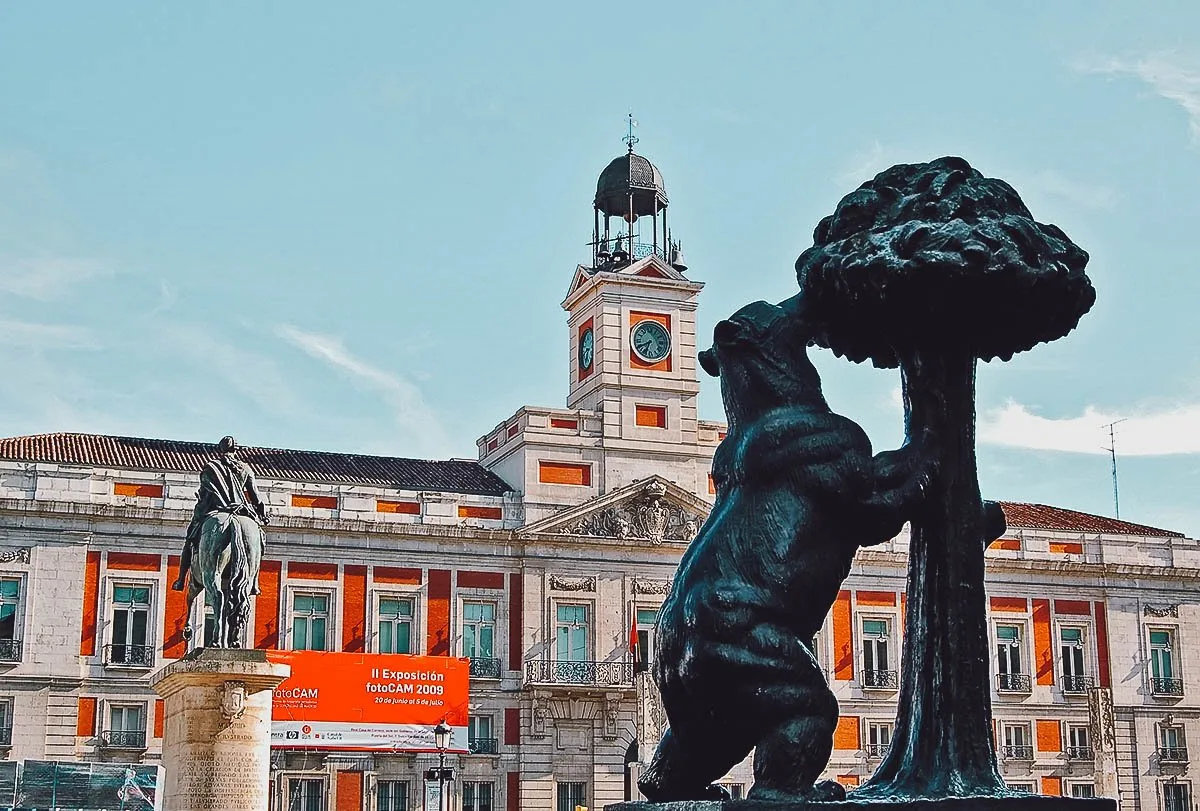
{"x": 224, "y": 546}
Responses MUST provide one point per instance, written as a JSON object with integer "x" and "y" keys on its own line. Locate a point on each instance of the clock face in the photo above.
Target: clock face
{"x": 651, "y": 341}
{"x": 587, "y": 346}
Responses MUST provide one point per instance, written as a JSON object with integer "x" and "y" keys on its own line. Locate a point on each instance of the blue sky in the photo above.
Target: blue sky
{"x": 349, "y": 226}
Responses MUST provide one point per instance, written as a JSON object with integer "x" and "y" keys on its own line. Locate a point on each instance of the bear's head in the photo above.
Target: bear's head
{"x": 761, "y": 355}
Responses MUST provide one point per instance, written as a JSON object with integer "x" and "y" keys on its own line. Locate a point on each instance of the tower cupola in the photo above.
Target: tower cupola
{"x": 632, "y": 192}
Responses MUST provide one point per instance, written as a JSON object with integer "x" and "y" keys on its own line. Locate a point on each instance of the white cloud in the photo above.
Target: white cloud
{"x": 251, "y": 374}
{"x": 1150, "y": 433}
{"x": 411, "y": 411}
{"x": 864, "y": 165}
{"x": 1084, "y": 195}
{"x": 1174, "y": 77}
{"x": 46, "y": 277}
{"x": 28, "y": 335}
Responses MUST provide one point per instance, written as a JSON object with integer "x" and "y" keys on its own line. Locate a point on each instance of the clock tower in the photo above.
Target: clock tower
{"x": 631, "y": 400}
{"x": 631, "y": 313}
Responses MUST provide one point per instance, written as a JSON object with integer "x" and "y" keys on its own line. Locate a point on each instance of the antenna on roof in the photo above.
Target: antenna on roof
{"x": 1112, "y": 449}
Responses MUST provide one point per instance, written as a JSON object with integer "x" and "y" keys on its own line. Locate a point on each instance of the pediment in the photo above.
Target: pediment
{"x": 652, "y": 267}
{"x": 651, "y": 509}
{"x": 581, "y": 277}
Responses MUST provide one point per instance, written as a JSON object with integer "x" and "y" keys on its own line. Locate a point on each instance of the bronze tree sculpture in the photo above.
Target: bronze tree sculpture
{"x": 931, "y": 267}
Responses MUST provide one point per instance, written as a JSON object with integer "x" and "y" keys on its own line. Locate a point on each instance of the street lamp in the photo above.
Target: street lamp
{"x": 441, "y": 740}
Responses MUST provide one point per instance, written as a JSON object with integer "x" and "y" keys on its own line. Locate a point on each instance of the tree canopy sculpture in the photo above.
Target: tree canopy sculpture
{"x": 930, "y": 267}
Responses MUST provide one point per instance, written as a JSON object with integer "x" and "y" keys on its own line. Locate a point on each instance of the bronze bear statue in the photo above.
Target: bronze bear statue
{"x": 798, "y": 492}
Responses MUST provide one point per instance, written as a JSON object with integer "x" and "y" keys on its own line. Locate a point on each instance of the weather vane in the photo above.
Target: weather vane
{"x": 631, "y": 139}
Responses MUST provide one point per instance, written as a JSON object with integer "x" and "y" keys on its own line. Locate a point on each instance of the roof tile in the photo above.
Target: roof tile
{"x": 1041, "y": 516}
{"x": 453, "y": 476}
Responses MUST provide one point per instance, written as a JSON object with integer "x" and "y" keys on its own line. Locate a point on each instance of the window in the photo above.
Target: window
{"x": 877, "y": 671}
{"x": 1079, "y": 745}
{"x": 1075, "y": 679}
{"x": 126, "y": 726}
{"x": 477, "y": 796}
{"x": 1008, "y": 659}
{"x": 391, "y": 795}
{"x": 1172, "y": 748}
{"x": 879, "y": 738}
{"x": 10, "y": 640}
{"x": 571, "y": 634}
{"x": 1177, "y": 797}
{"x": 645, "y": 619}
{"x": 571, "y": 795}
{"x": 310, "y": 621}
{"x": 481, "y": 739}
{"x": 1026, "y": 787}
{"x": 130, "y": 620}
{"x": 736, "y": 791}
{"x": 306, "y": 794}
{"x": 1163, "y": 680}
{"x": 1017, "y": 744}
{"x": 6, "y": 721}
{"x": 395, "y": 624}
{"x": 479, "y": 630}
{"x": 1083, "y": 790}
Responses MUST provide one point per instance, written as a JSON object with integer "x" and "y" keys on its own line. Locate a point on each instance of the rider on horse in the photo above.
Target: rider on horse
{"x": 226, "y": 485}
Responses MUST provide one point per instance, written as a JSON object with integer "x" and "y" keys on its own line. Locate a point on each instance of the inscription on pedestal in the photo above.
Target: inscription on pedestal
{"x": 230, "y": 780}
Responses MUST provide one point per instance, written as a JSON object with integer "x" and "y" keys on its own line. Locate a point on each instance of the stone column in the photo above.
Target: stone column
{"x": 217, "y": 730}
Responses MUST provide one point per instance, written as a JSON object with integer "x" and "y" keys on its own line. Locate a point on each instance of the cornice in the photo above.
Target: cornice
{"x": 1050, "y": 566}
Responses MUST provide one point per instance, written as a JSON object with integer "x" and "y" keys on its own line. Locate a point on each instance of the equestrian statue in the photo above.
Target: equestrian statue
{"x": 224, "y": 546}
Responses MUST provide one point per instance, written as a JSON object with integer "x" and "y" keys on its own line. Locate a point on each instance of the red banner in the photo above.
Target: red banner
{"x": 369, "y": 701}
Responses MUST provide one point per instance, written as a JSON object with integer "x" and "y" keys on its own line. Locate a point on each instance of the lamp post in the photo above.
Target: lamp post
{"x": 441, "y": 740}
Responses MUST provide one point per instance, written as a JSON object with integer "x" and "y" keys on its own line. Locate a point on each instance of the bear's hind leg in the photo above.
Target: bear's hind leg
{"x": 789, "y": 759}
{"x": 681, "y": 770}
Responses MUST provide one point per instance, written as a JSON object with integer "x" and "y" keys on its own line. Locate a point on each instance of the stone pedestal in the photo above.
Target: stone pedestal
{"x": 1015, "y": 802}
{"x": 217, "y": 730}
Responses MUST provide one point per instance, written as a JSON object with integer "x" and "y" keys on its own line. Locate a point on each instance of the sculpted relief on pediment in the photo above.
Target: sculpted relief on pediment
{"x": 645, "y": 516}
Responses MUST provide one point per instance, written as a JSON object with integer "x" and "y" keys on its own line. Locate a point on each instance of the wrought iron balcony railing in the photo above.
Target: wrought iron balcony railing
{"x": 875, "y": 751}
{"x": 1172, "y": 754}
{"x": 1014, "y": 683}
{"x": 6, "y": 736}
{"x": 129, "y": 655}
{"x": 1017, "y": 752}
{"x": 880, "y": 679}
{"x": 10, "y": 650}
{"x": 582, "y": 673}
{"x": 1166, "y": 687}
{"x": 1079, "y": 753}
{"x": 1077, "y": 684}
{"x": 123, "y": 739}
{"x": 483, "y": 746}
{"x": 485, "y": 668}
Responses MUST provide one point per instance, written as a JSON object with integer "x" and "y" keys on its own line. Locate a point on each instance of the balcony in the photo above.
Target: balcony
{"x": 484, "y": 668}
{"x": 129, "y": 655}
{"x": 123, "y": 739}
{"x": 875, "y": 751}
{"x": 880, "y": 680}
{"x": 483, "y": 746}
{"x": 1079, "y": 753}
{"x": 1166, "y": 687}
{"x": 591, "y": 674}
{"x": 1014, "y": 683}
{"x": 10, "y": 650}
{"x": 6, "y": 736}
{"x": 1172, "y": 754}
{"x": 1017, "y": 752}
{"x": 1077, "y": 684}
